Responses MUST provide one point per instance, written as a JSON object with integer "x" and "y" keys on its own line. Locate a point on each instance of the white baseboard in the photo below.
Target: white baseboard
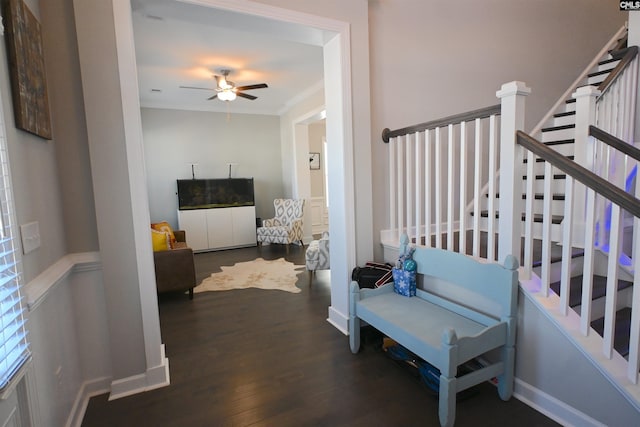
{"x": 553, "y": 408}
{"x": 155, "y": 377}
{"x": 338, "y": 320}
{"x": 86, "y": 392}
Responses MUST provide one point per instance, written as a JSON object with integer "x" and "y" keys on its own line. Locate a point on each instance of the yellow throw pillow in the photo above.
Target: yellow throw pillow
{"x": 160, "y": 240}
{"x": 165, "y": 228}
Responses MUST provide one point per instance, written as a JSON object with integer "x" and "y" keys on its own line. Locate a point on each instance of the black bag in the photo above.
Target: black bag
{"x": 372, "y": 275}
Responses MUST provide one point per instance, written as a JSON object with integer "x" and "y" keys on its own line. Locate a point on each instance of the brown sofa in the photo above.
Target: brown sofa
{"x": 175, "y": 269}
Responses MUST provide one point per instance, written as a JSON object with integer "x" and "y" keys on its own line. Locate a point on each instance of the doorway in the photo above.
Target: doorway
{"x": 339, "y": 129}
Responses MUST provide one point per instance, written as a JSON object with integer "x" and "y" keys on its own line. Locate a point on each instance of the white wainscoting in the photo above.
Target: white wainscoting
{"x": 68, "y": 332}
{"x": 319, "y": 215}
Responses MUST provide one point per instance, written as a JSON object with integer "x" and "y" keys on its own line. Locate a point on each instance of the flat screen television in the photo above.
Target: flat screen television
{"x": 215, "y": 193}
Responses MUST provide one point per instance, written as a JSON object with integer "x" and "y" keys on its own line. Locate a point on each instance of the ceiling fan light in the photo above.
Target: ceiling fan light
{"x": 226, "y": 95}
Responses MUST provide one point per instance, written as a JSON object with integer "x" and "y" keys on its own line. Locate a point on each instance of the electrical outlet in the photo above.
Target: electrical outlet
{"x": 30, "y": 236}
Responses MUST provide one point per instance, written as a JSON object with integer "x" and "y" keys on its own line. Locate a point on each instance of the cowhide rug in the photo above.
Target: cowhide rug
{"x": 278, "y": 274}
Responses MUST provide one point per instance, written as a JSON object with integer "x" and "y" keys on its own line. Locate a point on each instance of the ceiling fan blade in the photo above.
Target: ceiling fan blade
{"x": 246, "y": 95}
{"x": 249, "y": 87}
{"x": 193, "y": 87}
{"x": 213, "y": 97}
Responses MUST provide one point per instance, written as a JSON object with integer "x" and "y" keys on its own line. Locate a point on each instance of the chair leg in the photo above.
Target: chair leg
{"x": 191, "y": 293}
{"x": 310, "y": 277}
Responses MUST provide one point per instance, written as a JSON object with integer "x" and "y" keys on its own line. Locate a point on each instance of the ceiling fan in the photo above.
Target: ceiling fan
{"x": 227, "y": 90}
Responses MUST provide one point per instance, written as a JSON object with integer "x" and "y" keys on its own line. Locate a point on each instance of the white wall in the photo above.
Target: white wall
{"x": 173, "y": 139}
{"x": 432, "y": 59}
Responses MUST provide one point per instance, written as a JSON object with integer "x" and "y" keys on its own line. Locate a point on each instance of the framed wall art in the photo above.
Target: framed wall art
{"x": 314, "y": 160}
{"x": 26, "y": 69}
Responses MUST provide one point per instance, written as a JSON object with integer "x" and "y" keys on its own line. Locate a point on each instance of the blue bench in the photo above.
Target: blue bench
{"x": 463, "y": 309}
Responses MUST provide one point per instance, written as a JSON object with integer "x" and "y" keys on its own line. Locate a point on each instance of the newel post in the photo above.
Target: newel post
{"x": 512, "y": 99}
{"x": 585, "y": 97}
{"x": 584, "y": 153}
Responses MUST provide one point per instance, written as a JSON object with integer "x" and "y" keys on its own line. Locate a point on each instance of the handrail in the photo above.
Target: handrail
{"x": 457, "y": 118}
{"x": 614, "y": 142}
{"x": 585, "y": 176}
{"x": 563, "y": 98}
{"x": 629, "y": 55}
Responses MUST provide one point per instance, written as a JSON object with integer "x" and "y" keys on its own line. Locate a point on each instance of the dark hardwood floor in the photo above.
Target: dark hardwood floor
{"x": 269, "y": 358}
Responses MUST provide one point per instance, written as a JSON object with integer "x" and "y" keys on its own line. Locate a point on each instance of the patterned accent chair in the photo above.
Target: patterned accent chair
{"x": 286, "y": 226}
{"x": 317, "y": 255}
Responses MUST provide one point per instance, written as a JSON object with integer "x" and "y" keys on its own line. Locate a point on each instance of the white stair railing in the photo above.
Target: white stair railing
{"x": 436, "y": 169}
{"x": 612, "y": 109}
{"x": 597, "y": 188}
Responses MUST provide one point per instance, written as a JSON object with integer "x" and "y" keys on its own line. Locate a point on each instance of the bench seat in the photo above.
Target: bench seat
{"x": 465, "y": 309}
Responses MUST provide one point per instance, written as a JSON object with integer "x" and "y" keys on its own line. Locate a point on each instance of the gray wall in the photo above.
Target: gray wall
{"x": 173, "y": 139}
{"x": 34, "y": 174}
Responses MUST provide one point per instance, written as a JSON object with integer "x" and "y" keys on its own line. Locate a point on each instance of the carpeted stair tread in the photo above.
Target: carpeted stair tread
{"x": 555, "y": 219}
{"x": 552, "y": 128}
{"x": 575, "y": 253}
{"x": 621, "y": 332}
{"x": 555, "y": 176}
{"x": 541, "y": 160}
{"x": 536, "y": 196}
{"x": 599, "y": 73}
{"x": 608, "y": 61}
{"x": 559, "y": 142}
{"x": 565, "y": 114}
{"x": 599, "y": 288}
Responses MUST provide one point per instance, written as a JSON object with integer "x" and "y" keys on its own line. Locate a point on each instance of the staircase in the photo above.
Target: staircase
{"x": 445, "y": 171}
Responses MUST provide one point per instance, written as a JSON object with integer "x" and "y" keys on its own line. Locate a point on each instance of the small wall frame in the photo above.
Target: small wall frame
{"x": 314, "y": 161}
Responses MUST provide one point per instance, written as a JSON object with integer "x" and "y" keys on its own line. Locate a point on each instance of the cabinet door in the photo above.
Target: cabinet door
{"x": 194, "y": 223}
{"x": 244, "y": 225}
{"x": 220, "y": 228}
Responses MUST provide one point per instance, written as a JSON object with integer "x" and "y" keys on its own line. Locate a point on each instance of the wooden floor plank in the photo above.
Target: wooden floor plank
{"x": 257, "y": 357}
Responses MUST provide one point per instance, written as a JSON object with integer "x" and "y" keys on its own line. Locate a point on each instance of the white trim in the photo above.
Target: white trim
{"x": 272, "y": 12}
{"x": 551, "y": 407}
{"x": 154, "y": 378}
{"x": 15, "y": 380}
{"x": 88, "y": 389}
{"x": 37, "y": 289}
{"x": 342, "y": 214}
{"x": 338, "y": 320}
{"x": 28, "y": 399}
{"x": 129, "y": 95}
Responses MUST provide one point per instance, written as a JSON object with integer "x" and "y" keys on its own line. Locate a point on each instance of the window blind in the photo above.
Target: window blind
{"x": 14, "y": 347}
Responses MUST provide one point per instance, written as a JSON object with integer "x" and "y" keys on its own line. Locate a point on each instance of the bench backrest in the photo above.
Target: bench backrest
{"x": 483, "y": 286}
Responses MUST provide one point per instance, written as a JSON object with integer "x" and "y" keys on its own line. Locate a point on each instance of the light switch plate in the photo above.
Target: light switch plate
{"x": 30, "y": 233}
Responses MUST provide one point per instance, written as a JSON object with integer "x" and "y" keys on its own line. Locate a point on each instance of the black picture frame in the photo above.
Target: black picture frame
{"x": 314, "y": 161}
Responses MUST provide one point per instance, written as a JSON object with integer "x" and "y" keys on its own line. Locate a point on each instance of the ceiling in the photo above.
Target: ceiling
{"x": 181, "y": 44}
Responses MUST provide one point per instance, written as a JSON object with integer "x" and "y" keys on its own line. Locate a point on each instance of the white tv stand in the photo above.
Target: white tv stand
{"x": 219, "y": 228}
